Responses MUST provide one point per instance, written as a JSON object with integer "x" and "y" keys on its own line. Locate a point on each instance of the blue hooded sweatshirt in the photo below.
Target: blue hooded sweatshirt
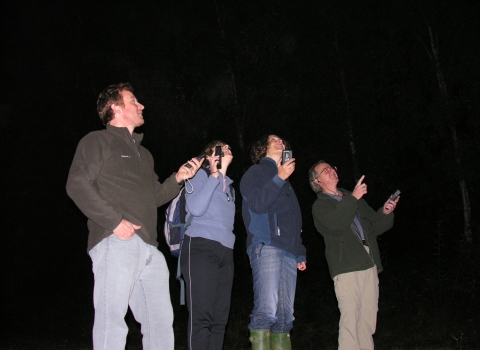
{"x": 212, "y": 207}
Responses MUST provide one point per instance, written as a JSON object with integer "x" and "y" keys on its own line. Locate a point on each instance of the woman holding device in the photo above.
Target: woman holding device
{"x": 273, "y": 220}
{"x": 207, "y": 251}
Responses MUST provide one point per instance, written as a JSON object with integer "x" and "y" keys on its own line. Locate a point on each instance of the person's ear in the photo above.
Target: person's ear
{"x": 115, "y": 108}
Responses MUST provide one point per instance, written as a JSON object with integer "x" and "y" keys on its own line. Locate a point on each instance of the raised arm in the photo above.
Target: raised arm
{"x": 203, "y": 188}
{"x": 166, "y": 191}
{"x": 259, "y": 191}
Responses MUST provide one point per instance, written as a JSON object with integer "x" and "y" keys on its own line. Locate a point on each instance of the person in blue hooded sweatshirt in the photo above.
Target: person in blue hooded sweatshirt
{"x": 207, "y": 251}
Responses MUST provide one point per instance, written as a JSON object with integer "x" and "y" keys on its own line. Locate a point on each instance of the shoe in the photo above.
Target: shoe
{"x": 280, "y": 341}
{"x": 260, "y": 339}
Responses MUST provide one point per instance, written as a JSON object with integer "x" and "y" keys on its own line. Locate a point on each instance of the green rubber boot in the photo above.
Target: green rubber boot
{"x": 280, "y": 341}
{"x": 260, "y": 339}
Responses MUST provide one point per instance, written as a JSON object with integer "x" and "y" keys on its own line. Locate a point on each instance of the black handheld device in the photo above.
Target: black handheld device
{"x": 218, "y": 152}
{"x": 286, "y": 155}
{"x": 395, "y": 195}
{"x": 199, "y": 158}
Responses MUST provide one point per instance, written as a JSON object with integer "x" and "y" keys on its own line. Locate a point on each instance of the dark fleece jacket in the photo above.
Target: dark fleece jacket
{"x": 112, "y": 178}
{"x": 343, "y": 248}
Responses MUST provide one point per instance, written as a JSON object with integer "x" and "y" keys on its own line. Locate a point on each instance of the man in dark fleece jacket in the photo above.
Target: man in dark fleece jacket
{"x": 113, "y": 182}
{"x": 349, "y": 227}
{"x": 273, "y": 221}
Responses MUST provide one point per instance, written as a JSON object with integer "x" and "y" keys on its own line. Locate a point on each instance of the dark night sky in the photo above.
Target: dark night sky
{"x": 235, "y": 70}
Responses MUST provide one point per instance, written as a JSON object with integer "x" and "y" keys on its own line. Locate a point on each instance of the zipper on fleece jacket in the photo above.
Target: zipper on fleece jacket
{"x": 341, "y": 249}
{"x": 360, "y": 241}
{"x": 370, "y": 254}
{"x": 275, "y": 224}
{"x": 132, "y": 141}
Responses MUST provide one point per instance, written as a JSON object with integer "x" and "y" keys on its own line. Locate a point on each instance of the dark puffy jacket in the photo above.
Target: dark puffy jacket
{"x": 270, "y": 210}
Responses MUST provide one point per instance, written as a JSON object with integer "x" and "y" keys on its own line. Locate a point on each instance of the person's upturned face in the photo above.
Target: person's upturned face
{"x": 327, "y": 175}
{"x": 227, "y": 154}
{"x": 132, "y": 110}
{"x": 275, "y": 146}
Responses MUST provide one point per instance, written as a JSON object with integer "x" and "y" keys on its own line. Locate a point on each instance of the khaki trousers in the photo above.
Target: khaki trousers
{"x": 357, "y": 295}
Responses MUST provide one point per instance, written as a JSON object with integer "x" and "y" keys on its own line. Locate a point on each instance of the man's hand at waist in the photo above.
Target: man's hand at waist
{"x": 125, "y": 230}
{"x": 302, "y": 266}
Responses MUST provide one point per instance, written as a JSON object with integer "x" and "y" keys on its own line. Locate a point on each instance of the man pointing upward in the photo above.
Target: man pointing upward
{"x": 349, "y": 227}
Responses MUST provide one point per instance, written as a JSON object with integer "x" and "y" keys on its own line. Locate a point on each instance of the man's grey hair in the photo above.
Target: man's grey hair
{"x": 312, "y": 175}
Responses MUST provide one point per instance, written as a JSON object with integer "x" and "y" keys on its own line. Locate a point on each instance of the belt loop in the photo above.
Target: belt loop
{"x": 260, "y": 251}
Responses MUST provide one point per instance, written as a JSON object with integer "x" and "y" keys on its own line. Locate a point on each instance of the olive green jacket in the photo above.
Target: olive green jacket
{"x": 343, "y": 248}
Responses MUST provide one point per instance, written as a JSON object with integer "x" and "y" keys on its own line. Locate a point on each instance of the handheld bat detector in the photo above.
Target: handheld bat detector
{"x": 395, "y": 195}
{"x": 286, "y": 155}
{"x": 218, "y": 152}
{"x": 199, "y": 158}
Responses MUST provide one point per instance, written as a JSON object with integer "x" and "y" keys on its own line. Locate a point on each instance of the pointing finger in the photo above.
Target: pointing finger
{"x": 360, "y": 181}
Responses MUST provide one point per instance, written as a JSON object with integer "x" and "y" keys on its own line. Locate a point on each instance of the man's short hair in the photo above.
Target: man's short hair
{"x": 259, "y": 148}
{"x": 312, "y": 175}
{"x": 111, "y": 95}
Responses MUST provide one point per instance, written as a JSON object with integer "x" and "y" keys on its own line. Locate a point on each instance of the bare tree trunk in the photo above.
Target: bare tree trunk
{"x": 356, "y": 173}
{"x": 239, "y": 119}
{"x": 442, "y": 85}
{"x": 467, "y": 209}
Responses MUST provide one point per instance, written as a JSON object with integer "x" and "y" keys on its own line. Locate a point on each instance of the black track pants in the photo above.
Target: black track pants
{"x": 207, "y": 267}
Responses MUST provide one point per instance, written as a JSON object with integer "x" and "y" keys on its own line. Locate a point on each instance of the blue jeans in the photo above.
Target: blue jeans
{"x": 130, "y": 273}
{"x": 274, "y": 282}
